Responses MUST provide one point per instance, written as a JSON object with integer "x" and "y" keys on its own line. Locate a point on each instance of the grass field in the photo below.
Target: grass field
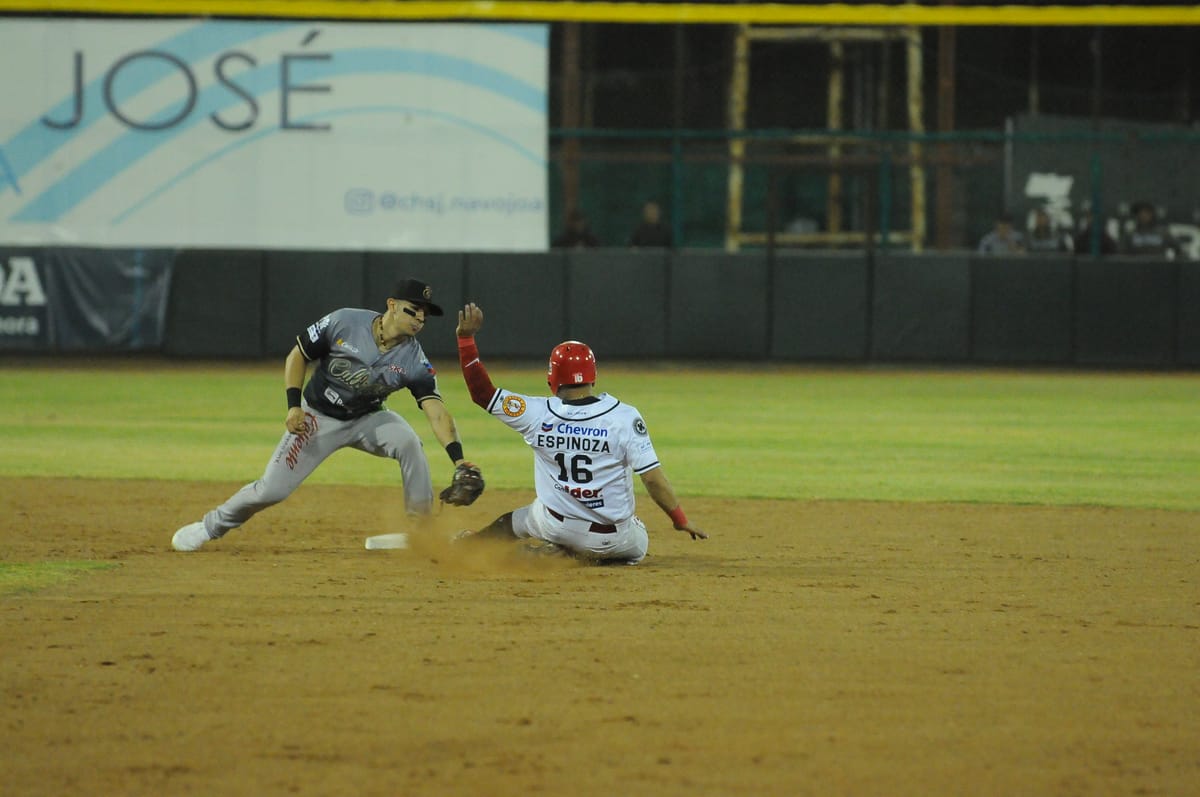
{"x": 25, "y": 577}
{"x": 918, "y": 634}
{"x": 1129, "y": 440}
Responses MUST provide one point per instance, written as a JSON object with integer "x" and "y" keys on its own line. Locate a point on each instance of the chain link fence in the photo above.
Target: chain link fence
{"x": 818, "y": 190}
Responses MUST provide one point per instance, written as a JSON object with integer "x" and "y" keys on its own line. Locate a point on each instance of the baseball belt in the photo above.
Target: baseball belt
{"x": 598, "y": 528}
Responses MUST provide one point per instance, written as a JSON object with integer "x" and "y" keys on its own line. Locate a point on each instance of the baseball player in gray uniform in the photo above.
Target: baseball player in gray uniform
{"x": 361, "y": 358}
{"x": 586, "y": 446}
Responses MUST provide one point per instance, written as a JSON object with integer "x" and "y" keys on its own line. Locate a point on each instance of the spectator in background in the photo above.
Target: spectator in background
{"x": 1004, "y": 239}
{"x": 1148, "y": 236}
{"x": 1083, "y": 237}
{"x": 651, "y": 232}
{"x": 1045, "y": 237}
{"x": 577, "y": 234}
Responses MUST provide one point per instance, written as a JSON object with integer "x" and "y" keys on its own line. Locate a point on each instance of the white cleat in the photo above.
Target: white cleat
{"x": 190, "y": 537}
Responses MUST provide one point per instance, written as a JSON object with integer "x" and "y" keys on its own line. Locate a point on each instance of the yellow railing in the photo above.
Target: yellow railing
{"x": 646, "y": 13}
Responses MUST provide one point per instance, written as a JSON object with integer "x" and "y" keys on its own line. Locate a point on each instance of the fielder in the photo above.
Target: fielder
{"x": 586, "y": 447}
{"x": 361, "y": 357}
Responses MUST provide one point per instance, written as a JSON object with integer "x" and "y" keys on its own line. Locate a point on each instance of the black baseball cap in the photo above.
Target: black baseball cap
{"x": 417, "y": 292}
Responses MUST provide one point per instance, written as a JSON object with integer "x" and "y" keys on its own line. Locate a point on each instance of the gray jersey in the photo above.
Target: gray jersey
{"x": 353, "y": 377}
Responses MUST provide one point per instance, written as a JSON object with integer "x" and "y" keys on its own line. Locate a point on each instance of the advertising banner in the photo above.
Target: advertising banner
{"x": 273, "y": 134}
{"x": 22, "y": 302}
{"x": 84, "y": 299}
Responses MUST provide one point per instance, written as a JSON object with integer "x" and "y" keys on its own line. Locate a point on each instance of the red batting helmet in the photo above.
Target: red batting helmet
{"x": 571, "y": 363}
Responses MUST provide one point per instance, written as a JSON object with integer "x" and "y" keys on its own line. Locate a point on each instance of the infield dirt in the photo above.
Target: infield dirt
{"x": 807, "y": 648}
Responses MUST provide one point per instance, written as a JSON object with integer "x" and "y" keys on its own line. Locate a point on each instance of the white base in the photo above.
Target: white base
{"x": 387, "y": 542}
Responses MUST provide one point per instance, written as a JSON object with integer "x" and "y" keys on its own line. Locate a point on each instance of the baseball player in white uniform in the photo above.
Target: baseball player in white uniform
{"x": 587, "y": 446}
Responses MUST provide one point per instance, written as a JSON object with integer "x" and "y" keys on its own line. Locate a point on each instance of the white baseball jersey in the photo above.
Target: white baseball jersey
{"x": 586, "y": 451}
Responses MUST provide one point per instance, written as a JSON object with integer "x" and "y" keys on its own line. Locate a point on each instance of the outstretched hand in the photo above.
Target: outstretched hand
{"x": 470, "y": 320}
{"x": 696, "y": 533}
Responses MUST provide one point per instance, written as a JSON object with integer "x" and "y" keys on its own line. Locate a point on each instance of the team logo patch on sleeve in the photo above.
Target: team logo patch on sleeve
{"x": 514, "y": 406}
{"x": 314, "y": 331}
{"x": 639, "y": 426}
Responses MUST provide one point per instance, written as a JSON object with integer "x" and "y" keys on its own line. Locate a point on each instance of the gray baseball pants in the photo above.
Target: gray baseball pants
{"x": 383, "y": 433}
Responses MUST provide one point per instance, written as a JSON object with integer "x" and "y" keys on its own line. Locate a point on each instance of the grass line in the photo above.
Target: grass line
{"x": 1107, "y": 439}
{"x": 22, "y": 578}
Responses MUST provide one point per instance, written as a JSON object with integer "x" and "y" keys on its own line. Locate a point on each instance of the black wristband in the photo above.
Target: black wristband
{"x": 293, "y": 394}
{"x": 454, "y": 450}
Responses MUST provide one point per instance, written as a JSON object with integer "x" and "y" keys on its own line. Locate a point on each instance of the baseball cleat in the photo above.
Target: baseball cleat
{"x": 190, "y": 537}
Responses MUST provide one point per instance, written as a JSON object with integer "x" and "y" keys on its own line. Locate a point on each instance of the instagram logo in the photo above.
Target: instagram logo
{"x": 359, "y": 201}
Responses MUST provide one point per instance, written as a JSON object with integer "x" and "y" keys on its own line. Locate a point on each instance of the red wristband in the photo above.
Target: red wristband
{"x": 677, "y": 517}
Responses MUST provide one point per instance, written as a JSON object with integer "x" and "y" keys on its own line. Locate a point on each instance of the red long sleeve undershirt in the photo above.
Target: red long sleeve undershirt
{"x": 476, "y": 376}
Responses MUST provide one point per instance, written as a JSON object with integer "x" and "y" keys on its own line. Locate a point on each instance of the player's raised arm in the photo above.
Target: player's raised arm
{"x": 660, "y": 490}
{"x": 470, "y": 321}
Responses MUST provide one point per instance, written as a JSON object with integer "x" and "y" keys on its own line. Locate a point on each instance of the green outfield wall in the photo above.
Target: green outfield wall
{"x": 795, "y": 307}
{"x": 786, "y": 306}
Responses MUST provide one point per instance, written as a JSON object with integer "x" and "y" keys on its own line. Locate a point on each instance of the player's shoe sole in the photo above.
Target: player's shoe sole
{"x": 190, "y": 537}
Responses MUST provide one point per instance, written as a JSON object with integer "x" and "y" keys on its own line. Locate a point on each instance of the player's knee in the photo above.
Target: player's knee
{"x": 501, "y": 527}
{"x": 397, "y": 436}
{"x": 268, "y": 495}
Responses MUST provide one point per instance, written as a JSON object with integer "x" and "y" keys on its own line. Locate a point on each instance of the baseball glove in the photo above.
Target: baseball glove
{"x": 465, "y": 487}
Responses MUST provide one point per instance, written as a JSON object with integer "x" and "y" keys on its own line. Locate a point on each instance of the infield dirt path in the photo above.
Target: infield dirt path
{"x": 807, "y": 648}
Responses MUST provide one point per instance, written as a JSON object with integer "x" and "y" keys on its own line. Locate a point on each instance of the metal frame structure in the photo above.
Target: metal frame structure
{"x": 835, "y": 38}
